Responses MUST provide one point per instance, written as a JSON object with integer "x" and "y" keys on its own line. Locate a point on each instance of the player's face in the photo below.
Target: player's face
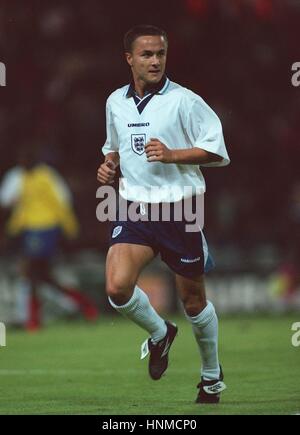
{"x": 148, "y": 59}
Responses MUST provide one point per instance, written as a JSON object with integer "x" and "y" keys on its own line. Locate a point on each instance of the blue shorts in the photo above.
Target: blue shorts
{"x": 40, "y": 243}
{"x": 186, "y": 253}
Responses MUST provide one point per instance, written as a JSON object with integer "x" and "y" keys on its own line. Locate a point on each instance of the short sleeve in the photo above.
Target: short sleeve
{"x": 111, "y": 144}
{"x": 10, "y": 187}
{"x": 204, "y": 130}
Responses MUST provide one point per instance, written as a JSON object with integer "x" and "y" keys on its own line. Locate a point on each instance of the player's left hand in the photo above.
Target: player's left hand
{"x": 157, "y": 151}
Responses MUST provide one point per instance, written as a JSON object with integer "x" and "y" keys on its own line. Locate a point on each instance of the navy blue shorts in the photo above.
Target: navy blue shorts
{"x": 40, "y": 243}
{"x": 186, "y": 253}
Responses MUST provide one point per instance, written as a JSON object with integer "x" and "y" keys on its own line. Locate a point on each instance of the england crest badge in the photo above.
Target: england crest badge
{"x": 116, "y": 232}
{"x": 138, "y": 142}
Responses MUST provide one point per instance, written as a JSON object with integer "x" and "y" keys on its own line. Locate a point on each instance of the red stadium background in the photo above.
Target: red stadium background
{"x": 62, "y": 61}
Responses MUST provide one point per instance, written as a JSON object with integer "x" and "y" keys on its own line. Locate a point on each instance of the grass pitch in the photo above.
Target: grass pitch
{"x": 75, "y": 368}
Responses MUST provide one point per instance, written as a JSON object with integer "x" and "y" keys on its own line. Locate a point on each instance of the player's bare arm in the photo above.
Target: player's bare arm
{"x": 107, "y": 171}
{"x": 157, "y": 151}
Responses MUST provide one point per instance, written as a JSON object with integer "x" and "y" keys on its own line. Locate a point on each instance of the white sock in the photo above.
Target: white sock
{"x": 140, "y": 311}
{"x": 205, "y": 328}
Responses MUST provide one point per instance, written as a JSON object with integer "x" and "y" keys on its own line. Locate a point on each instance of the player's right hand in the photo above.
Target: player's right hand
{"x": 106, "y": 172}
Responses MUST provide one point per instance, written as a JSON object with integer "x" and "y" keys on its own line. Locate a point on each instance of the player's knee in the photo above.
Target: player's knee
{"x": 113, "y": 290}
{"x": 193, "y": 306}
{"x": 119, "y": 293}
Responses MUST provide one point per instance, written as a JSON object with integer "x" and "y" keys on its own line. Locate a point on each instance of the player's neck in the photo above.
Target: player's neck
{"x": 140, "y": 87}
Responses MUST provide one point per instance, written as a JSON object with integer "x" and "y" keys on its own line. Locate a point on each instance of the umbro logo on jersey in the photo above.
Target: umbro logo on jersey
{"x": 141, "y": 124}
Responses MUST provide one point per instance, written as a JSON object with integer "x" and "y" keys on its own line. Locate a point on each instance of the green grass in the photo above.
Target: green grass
{"x": 76, "y": 368}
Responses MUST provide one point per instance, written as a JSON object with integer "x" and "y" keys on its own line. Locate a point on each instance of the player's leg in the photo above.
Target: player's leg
{"x": 85, "y": 305}
{"x": 31, "y": 273}
{"x": 30, "y": 243}
{"x": 202, "y": 316}
{"x": 123, "y": 266}
{"x": 124, "y": 263}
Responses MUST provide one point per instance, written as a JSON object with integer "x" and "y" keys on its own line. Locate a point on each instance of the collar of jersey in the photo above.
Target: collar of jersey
{"x": 160, "y": 88}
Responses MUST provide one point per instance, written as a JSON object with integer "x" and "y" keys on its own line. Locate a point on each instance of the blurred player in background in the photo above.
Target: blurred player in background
{"x": 41, "y": 212}
{"x": 160, "y": 133}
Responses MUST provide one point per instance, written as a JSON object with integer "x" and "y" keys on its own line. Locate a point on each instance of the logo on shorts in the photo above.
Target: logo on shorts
{"x": 138, "y": 142}
{"x": 116, "y": 232}
{"x": 193, "y": 260}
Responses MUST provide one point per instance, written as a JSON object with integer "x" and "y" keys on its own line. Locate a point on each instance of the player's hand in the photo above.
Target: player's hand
{"x": 106, "y": 172}
{"x": 157, "y": 151}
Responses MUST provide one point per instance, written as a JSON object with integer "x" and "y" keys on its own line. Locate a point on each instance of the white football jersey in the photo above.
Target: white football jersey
{"x": 178, "y": 118}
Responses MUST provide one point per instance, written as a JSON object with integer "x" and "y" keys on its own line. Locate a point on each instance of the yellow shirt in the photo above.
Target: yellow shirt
{"x": 41, "y": 204}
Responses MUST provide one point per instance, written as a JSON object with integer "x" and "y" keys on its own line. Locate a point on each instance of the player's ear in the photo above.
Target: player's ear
{"x": 128, "y": 57}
